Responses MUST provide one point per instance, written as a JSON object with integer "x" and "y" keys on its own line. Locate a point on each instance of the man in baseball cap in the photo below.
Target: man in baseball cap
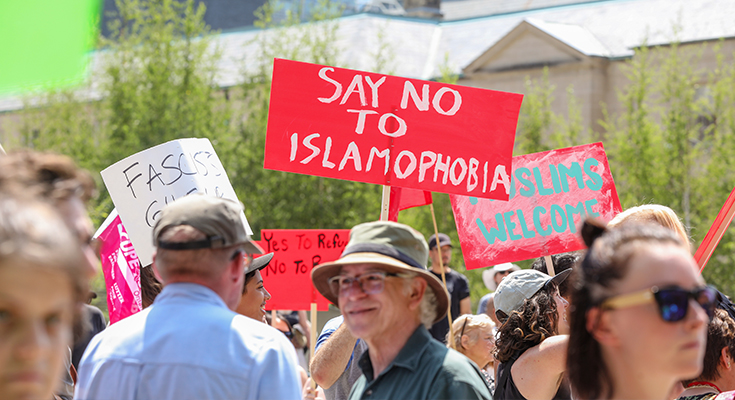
{"x": 388, "y": 298}
{"x": 440, "y": 250}
{"x": 189, "y": 343}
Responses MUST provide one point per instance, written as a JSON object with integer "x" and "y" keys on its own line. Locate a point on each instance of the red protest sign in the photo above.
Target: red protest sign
{"x": 712, "y": 239}
{"x": 381, "y": 129}
{"x": 550, "y": 194}
{"x": 296, "y": 251}
{"x": 403, "y": 199}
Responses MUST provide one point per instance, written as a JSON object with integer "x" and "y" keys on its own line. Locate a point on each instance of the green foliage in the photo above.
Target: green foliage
{"x": 672, "y": 144}
{"x": 536, "y": 116}
{"x": 159, "y": 76}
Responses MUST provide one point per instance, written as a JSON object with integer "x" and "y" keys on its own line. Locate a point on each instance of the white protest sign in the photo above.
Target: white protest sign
{"x": 142, "y": 184}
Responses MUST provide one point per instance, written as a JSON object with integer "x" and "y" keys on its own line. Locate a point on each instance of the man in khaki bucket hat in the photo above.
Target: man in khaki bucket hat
{"x": 388, "y": 299}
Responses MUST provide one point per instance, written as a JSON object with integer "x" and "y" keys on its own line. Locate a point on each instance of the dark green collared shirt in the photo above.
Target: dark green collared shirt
{"x": 423, "y": 369}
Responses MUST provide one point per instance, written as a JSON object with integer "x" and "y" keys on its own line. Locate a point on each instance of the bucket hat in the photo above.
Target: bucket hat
{"x": 395, "y": 247}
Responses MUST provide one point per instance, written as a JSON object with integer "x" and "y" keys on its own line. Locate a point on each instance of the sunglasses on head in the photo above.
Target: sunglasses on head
{"x": 673, "y": 302}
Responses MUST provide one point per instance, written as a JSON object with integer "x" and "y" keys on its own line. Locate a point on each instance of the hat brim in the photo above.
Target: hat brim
{"x": 252, "y": 247}
{"x": 560, "y": 277}
{"x": 259, "y": 263}
{"x": 321, "y": 274}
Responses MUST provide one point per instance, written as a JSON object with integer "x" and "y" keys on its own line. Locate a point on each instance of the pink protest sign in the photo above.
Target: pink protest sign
{"x": 122, "y": 271}
{"x": 387, "y": 130}
{"x": 296, "y": 252}
{"x": 550, "y": 195}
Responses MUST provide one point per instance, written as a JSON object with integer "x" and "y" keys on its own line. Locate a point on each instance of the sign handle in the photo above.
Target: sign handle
{"x": 549, "y": 265}
{"x": 385, "y": 204}
{"x": 712, "y": 239}
{"x": 444, "y": 278}
{"x": 312, "y": 341}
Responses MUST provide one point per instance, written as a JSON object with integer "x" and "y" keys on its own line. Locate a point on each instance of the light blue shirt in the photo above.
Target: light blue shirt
{"x": 188, "y": 345}
{"x": 482, "y": 305}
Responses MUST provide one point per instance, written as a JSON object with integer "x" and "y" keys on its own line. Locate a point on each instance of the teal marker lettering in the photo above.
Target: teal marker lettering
{"x": 556, "y": 209}
{"x": 596, "y": 182}
{"x": 579, "y": 209}
{"x": 588, "y": 205}
{"x": 537, "y": 221}
{"x": 493, "y": 233}
{"x": 575, "y": 171}
{"x": 540, "y": 183}
{"x": 510, "y": 226}
{"x": 527, "y": 233}
{"x": 555, "y": 178}
{"x": 525, "y": 182}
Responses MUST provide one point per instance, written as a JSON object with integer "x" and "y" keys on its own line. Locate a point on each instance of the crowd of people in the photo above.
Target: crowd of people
{"x": 630, "y": 317}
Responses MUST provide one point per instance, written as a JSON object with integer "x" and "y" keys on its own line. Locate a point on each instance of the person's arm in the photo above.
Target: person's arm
{"x": 331, "y": 358}
{"x": 538, "y": 371}
{"x": 465, "y": 306}
{"x": 306, "y": 324}
{"x": 307, "y": 393}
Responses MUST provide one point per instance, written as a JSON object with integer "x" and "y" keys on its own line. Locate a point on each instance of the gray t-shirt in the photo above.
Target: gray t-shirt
{"x": 340, "y": 390}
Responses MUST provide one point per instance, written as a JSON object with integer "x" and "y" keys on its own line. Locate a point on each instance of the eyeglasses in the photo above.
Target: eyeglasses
{"x": 461, "y": 333}
{"x": 673, "y": 302}
{"x": 369, "y": 283}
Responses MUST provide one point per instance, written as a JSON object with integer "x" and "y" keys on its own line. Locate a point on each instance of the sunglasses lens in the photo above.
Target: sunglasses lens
{"x": 673, "y": 304}
{"x": 707, "y": 298}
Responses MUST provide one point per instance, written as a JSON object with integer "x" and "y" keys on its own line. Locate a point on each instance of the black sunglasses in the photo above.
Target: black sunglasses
{"x": 673, "y": 302}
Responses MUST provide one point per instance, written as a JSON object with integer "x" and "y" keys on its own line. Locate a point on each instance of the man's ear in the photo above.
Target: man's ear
{"x": 600, "y": 326}
{"x": 236, "y": 267}
{"x": 418, "y": 287}
{"x": 153, "y": 265}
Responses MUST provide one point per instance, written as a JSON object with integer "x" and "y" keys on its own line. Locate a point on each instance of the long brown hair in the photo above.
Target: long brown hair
{"x": 528, "y": 326}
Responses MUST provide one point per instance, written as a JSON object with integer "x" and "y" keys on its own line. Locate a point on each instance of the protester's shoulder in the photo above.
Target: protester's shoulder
{"x": 93, "y": 311}
{"x": 96, "y": 318}
{"x": 457, "y": 276}
{"x": 463, "y": 278}
{"x": 257, "y": 336}
{"x": 122, "y": 338}
{"x": 332, "y": 325}
{"x": 458, "y": 378}
{"x": 445, "y": 360}
{"x": 455, "y": 363}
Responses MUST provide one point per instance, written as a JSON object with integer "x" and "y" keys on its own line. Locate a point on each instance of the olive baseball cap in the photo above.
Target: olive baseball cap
{"x": 395, "y": 247}
{"x": 219, "y": 218}
{"x": 522, "y": 285}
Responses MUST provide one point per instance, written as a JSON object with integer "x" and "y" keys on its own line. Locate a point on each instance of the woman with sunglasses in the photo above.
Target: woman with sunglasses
{"x": 532, "y": 340}
{"x": 474, "y": 336}
{"x": 638, "y": 314}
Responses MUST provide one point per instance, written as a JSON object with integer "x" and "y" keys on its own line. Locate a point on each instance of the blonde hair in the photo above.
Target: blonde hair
{"x": 473, "y": 325}
{"x": 653, "y": 213}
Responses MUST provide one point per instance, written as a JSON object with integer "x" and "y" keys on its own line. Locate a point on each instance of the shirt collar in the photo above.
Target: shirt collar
{"x": 189, "y": 291}
{"x": 408, "y": 357}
